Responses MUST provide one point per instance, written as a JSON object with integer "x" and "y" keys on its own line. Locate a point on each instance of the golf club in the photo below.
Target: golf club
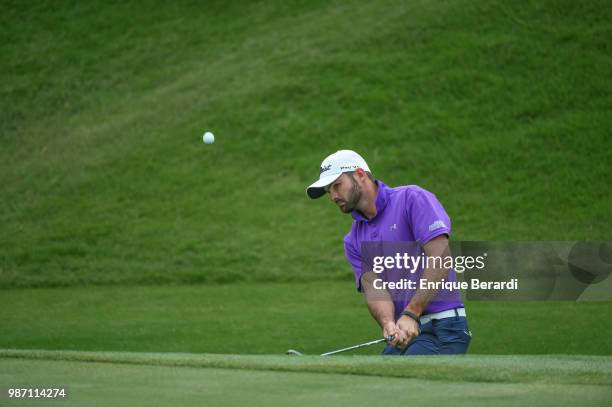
{"x": 333, "y": 352}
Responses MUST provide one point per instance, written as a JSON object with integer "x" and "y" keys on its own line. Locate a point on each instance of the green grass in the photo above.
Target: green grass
{"x": 139, "y": 266}
{"x": 501, "y": 109}
{"x": 576, "y": 369}
{"x": 269, "y": 318}
{"x": 105, "y": 378}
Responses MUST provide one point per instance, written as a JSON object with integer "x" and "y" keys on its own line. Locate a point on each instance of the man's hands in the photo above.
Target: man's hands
{"x": 390, "y": 330}
{"x": 403, "y": 332}
{"x": 380, "y": 305}
{"x": 410, "y": 329}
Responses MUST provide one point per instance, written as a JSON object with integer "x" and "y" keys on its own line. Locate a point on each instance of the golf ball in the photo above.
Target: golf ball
{"x": 208, "y": 138}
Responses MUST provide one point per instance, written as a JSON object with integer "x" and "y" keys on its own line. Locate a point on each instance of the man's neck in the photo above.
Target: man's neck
{"x": 369, "y": 201}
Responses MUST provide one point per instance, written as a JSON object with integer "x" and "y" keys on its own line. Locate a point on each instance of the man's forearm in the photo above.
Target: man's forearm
{"x": 380, "y": 303}
{"x": 422, "y": 297}
{"x": 382, "y": 311}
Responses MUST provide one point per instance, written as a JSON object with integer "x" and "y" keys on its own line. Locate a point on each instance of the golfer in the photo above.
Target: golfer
{"x": 425, "y": 321}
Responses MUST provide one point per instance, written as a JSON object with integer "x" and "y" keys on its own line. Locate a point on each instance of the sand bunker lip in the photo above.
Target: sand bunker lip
{"x": 564, "y": 369}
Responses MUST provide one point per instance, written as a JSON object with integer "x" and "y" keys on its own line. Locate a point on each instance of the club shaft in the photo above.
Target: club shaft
{"x": 361, "y": 345}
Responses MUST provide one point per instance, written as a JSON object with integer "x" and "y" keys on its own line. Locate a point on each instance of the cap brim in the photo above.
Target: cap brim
{"x": 317, "y": 189}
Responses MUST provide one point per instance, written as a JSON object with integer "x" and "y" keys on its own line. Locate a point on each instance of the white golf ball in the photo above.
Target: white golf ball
{"x": 208, "y": 138}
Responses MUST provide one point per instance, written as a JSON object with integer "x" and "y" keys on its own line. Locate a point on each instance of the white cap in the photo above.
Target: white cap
{"x": 332, "y": 167}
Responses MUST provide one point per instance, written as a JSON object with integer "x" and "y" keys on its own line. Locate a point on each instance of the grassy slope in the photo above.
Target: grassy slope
{"x": 269, "y": 319}
{"x": 162, "y": 379}
{"x": 501, "y": 109}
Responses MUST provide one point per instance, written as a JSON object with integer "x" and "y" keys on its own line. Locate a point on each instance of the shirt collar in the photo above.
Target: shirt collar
{"x": 382, "y": 198}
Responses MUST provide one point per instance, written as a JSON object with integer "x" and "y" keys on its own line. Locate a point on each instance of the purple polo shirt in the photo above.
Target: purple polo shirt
{"x": 403, "y": 214}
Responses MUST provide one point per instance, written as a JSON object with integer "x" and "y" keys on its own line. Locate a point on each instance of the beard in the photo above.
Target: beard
{"x": 354, "y": 197}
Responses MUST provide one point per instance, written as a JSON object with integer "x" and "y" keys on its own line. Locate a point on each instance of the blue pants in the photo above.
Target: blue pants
{"x": 438, "y": 337}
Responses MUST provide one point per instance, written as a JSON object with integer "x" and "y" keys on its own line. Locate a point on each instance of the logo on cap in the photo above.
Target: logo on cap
{"x": 325, "y": 168}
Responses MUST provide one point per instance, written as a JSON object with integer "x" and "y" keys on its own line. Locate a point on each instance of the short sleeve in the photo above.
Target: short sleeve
{"x": 353, "y": 255}
{"x": 427, "y": 216}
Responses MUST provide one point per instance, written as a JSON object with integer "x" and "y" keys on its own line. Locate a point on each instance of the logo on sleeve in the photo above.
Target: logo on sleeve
{"x": 437, "y": 225}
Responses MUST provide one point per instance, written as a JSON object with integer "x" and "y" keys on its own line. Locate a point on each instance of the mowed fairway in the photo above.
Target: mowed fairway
{"x": 269, "y": 318}
{"x": 106, "y": 378}
{"x": 121, "y": 355}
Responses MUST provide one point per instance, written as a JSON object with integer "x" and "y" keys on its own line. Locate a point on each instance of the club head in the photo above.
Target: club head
{"x": 294, "y": 352}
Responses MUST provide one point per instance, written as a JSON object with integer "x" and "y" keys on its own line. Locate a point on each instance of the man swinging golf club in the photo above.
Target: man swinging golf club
{"x": 425, "y": 321}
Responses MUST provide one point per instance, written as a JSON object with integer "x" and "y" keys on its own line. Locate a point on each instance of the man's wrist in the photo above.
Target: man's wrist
{"x": 386, "y": 322}
{"x": 415, "y": 309}
{"x": 411, "y": 315}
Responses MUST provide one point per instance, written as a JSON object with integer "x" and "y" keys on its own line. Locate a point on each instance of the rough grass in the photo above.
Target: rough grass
{"x": 501, "y": 109}
{"x": 560, "y": 369}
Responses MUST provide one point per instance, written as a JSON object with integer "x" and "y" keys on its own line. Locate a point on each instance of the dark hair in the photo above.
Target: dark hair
{"x": 370, "y": 176}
